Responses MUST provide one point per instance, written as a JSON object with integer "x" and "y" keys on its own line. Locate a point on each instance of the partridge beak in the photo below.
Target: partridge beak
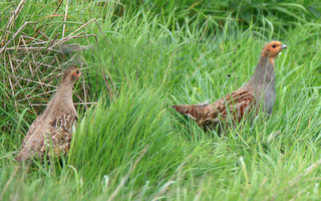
{"x": 283, "y": 46}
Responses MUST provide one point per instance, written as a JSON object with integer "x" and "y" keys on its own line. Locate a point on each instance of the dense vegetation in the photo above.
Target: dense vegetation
{"x": 139, "y": 58}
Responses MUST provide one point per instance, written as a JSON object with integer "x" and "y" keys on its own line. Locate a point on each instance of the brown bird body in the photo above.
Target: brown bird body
{"x": 51, "y": 132}
{"x": 258, "y": 93}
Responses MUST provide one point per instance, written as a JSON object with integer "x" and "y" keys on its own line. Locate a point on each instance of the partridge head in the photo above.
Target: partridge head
{"x": 257, "y": 94}
{"x": 50, "y": 134}
{"x": 71, "y": 75}
{"x": 272, "y": 49}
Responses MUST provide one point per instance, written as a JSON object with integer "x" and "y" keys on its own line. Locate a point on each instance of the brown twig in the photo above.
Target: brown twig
{"x": 59, "y": 5}
{"x": 65, "y": 19}
{"x": 43, "y": 64}
{"x": 31, "y": 49}
{"x": 110, "y": 90}
{"x": 38, "y": 95}
{"x": 87, "y": 103}
{"x": 101, "y": 31}
{"x": 49, "y": 85}
{"x": 85, "y": 92}
{"x": 13, "y": 17}
{"x": 20, "y": 87}
{"x": 13, "y": 37}
{"x": 12, "y": 88}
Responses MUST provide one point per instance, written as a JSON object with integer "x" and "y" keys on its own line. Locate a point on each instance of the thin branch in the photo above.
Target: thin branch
{"x": 43, "y": 64}
{"x": 13, "y": 37}
{"x": 38, "y": 95}
{"x": 59, "y": 5}
{"x": 31, "y": 49}
{"x": 101, "y": 31}
{"x": 20, "y": 87}
{"x": 65, "y": 19}
{"x": 41, "y": 83}
{"x": 110, "y": 90}
{"x": 13, "y": 17}
{"x": 43, "y": 104}
{"x": 12, "y": 88}
{"x": 85, "y": 92}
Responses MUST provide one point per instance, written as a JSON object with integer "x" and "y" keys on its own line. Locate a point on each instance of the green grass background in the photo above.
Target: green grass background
{"x": 131, "y": 145}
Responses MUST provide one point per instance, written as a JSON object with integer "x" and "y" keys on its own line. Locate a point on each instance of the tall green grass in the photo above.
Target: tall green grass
{"x": 149, "y": 55}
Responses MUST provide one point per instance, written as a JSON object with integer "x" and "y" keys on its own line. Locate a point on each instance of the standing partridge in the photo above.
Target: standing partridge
{"x": 258, "y": 93}
{"x": 51, "y": 132}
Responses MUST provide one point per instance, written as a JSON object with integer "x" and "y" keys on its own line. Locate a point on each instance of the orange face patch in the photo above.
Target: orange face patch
{"x": 272, "y": 49}
{"x": 76, "y": 73}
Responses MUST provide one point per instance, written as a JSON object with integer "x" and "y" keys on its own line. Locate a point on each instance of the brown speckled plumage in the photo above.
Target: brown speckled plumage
{"x": 51, "y": 132}
{"x": 234, "y": 107}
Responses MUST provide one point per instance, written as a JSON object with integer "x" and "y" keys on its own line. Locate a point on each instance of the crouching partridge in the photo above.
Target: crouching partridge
{"x": 51, "y": 132}
{"x": 258, "y": 93}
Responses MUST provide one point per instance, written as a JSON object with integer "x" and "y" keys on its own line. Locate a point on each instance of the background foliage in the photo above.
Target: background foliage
{"x": 139, "y": 58}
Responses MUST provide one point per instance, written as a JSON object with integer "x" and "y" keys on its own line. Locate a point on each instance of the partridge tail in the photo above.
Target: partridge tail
{"x": 193, "y": 111}
{"x": 23, "y": 155}
{"x": 20, "y": 158}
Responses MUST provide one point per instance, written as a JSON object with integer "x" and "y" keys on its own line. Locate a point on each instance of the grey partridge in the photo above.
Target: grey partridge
{"x": 257, "y": 94}
{"x": 51, "y": 132}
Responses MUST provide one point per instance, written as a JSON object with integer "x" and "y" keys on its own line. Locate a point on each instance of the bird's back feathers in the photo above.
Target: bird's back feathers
{"x": 234, "y": 105}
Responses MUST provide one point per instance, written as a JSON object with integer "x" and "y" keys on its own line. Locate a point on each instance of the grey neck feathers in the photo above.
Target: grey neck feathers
{"x": 64, "y": 93}
{"x": 264, "y": 73}
{"x": 62, "y": 98}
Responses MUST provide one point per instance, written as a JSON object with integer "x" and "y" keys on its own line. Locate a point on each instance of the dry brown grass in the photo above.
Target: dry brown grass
{"x": 33, "y": 63}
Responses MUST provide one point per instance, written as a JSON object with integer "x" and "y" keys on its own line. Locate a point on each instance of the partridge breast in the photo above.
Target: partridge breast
{"x": 59, "y": 133}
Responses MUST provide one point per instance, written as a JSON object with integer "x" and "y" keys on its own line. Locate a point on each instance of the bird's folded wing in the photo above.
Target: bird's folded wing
{"x": 32, "y": 142}
{"x": 235, "y": 104}
{"x": 31, "y": 131}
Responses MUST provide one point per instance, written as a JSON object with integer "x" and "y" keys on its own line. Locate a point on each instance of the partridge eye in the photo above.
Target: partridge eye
{"x": 77, "y": 72}
{"x": 273, "y": 46}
